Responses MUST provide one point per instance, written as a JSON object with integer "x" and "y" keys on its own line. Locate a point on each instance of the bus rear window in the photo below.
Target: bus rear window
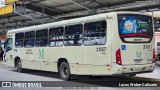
{"x": 135, "y": 28}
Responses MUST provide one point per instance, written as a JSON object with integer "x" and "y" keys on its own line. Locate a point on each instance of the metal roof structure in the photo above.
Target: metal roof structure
{"x": 35, "y": 12}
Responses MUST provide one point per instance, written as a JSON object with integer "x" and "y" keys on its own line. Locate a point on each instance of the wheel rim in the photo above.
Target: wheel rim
{"x": 64, "y": 71}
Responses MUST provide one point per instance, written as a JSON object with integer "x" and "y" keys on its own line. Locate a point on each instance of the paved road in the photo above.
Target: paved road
{"x": 10, "y": 74}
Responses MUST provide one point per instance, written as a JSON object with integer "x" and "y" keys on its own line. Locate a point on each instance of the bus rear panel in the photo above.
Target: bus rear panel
{"x": 135, "y": 52}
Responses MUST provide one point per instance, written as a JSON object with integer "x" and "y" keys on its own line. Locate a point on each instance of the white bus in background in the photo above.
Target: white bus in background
{"x": 157, "y": 44}
{"x": 105, "y": 44}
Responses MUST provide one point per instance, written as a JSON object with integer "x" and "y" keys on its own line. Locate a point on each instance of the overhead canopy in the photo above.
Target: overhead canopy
{"x": 34, "y": 12}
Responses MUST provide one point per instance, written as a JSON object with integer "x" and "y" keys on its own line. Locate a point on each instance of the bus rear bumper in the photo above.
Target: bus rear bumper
{"x": 136, "y": 69}
{"x": 137, "y": 72}
{"x": 103, "y": 70}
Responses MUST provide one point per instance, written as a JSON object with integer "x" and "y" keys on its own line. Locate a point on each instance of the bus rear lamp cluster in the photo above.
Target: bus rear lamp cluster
{"x": 108, "y": 66}
{"x": 154, "y": 55}
{"x": 118, "y": 57}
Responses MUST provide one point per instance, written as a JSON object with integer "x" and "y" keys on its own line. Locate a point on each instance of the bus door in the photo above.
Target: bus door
{"x": 96, "y": 50}
{"x": 8, "y": 56}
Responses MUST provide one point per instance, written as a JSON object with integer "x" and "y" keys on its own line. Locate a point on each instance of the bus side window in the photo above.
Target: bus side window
{"x": 42, "y": 38}
{"x": 73, "y": 35}
{"x": 95, "y": 33}
{"x": 19, "y": 39}
{"x": 29, "y": 39}
{"x": 56, "y": 36}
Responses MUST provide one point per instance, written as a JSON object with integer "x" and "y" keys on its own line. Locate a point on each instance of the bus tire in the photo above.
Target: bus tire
{"x": 64, "y": 71}
{"x": 19, "y": 66}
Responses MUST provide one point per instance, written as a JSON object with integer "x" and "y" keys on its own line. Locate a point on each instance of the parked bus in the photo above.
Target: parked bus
{"x": 105, "y": 44}
{"x": 157, "y": 44}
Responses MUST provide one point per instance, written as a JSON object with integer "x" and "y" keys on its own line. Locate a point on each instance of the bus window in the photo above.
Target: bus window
{"x": 73, "y": 35}
{"x": 95, "y": 33}
{"x": 9, "y": 44}
{"x": 56, "y": 36}
{"x": 29, "y": 39}
{"x": 19, "y": 39}
{"x": 42, "y": 38}
{"x": 135, "y": 28}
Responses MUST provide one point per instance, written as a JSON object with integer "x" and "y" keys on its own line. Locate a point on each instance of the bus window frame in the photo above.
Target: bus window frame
{"x": 73, "y": 34}
{"x": 105, "y": 32}
{"x": 123, "y": 40}
{"x": 29, "y": 39}
{"x": 19, "y": 40}
{"x": 46, "y": 45}
{"x": 49, "y": 41}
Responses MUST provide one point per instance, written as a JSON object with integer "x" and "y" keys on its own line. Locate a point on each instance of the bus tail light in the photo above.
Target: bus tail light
{"x": 118, "y": 57}
{"x": 154, "y": 55}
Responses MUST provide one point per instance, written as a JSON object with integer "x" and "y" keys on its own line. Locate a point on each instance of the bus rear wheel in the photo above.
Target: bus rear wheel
{"x": 64, "y": 71}
{"x": 19, "y": 66}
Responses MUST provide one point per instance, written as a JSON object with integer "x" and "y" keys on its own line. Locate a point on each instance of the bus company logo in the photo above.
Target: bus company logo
{"x": 138, "y": 54}
{"x": 41, "y": 53}
{"x": 6, "y": 84}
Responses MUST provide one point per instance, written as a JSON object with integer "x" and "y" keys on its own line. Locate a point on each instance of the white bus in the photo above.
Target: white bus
{"x": 105, "y": 44}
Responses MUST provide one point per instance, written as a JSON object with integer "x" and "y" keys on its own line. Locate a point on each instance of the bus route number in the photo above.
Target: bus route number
{"x": 101, "y": 49}
{"x": 147, "y": 47}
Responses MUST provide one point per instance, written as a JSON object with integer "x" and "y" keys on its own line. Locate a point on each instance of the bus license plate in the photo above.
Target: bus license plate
{"x": 137, "y": 61}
